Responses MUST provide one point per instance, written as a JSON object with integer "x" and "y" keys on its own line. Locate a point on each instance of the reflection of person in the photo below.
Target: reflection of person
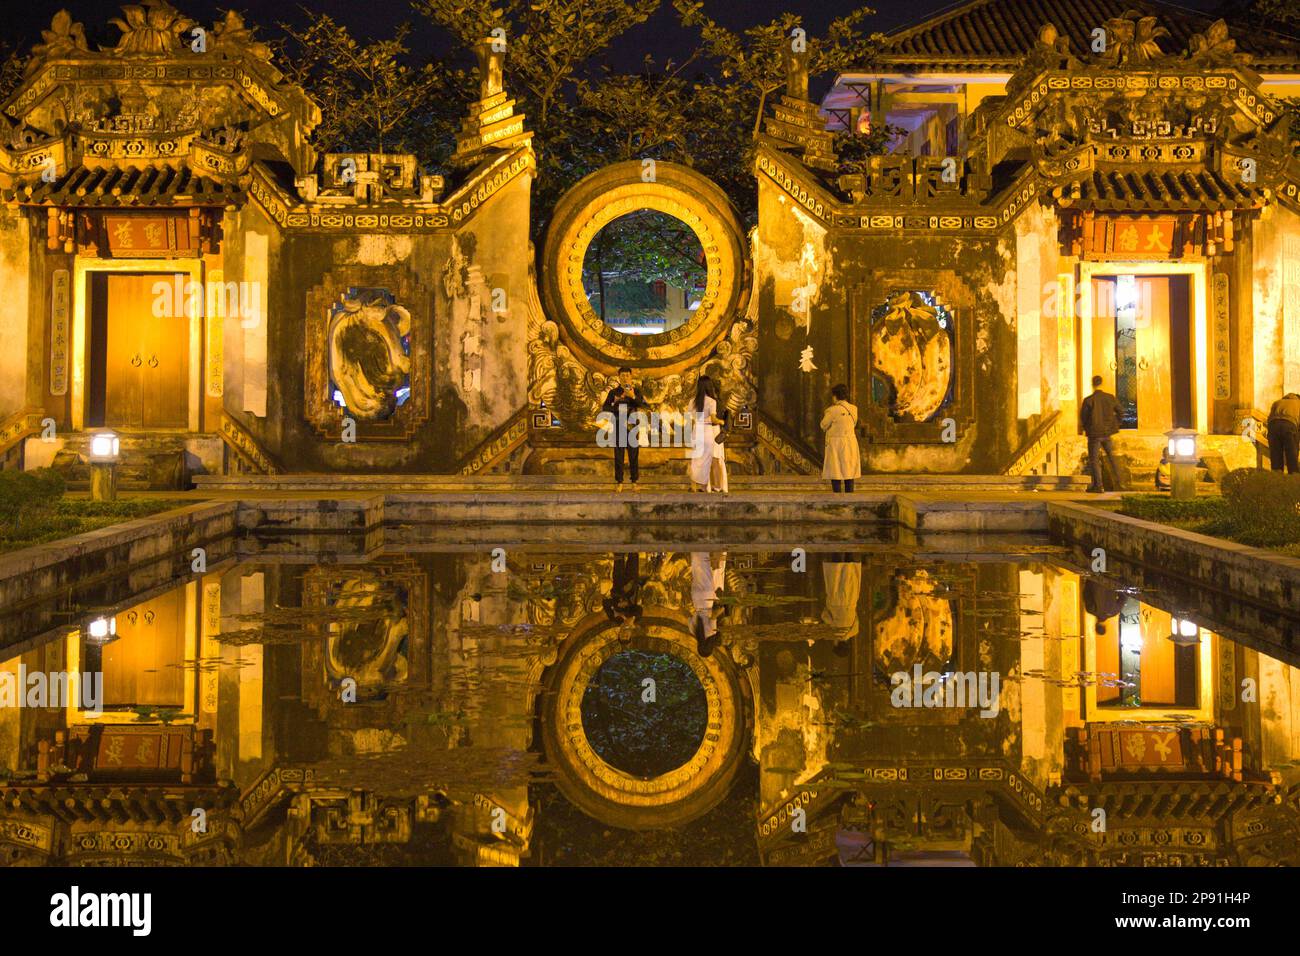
{"x": 843, "y": 461}
{"x": 708, "y": 577}
{"x": 623, "y": 604}
{"x": 623, "y": 401}
{"x": 708, "y": 458}
{"x": 1284, "y": 434}
{"x": 1099, "y": 419}
{"x": 1101, "y": 602}
{"x": 842, "y": 577}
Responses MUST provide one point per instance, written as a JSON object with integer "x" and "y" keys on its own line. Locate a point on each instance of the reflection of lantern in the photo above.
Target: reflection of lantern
{"x": 104, "y": 449}
{"x": 1184, "y": 632}
{"x": 1183, "y": 456}
{"x": 101, "y": 631}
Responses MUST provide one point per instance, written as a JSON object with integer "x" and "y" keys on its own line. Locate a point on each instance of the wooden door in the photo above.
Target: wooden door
{"x": 146, "y": 367}
{"x": 146, "y": 664}
{"x": 1103, "y": 332}
{"x": 1155, "y": 401}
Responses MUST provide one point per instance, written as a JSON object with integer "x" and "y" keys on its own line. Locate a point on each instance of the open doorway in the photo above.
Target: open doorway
{"x": 1142, "y": 344}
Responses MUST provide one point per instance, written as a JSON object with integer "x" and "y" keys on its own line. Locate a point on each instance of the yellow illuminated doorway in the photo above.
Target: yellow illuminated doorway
{"x": 1142, "y": 335}
{"x": 138, "y": 359}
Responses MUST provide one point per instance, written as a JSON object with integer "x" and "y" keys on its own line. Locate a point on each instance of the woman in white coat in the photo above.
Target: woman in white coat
{"x": 708, "y": 467}
{"x": 842, "y": 462}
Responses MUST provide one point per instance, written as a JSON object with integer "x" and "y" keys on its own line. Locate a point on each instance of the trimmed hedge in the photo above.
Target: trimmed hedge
{"x": 25, "y": 494}
{"x": 1164, "y": 509}
{"x": 1263, "y": 507}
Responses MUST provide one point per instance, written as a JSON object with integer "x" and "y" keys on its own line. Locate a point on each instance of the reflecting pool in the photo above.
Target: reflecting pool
{"x": 649, "y": 703}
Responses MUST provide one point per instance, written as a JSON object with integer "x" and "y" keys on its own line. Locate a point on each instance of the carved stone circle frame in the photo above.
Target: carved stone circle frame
{"x": 625, "y": 188}
{"x": 950, "y": 290}
{"x": 319, "y": 409}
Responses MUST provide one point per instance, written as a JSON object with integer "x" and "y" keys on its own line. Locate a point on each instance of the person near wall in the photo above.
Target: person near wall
{"x": 623, "y": 401}
{"x": 1099, "y": 420}
{"x": 708, "y": 469}
{"x": 1284, "y": 434}
{"x": 1164, "y": 472}
{"x": 842, "y": 462}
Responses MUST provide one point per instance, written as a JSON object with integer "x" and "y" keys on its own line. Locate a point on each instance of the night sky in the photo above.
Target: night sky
{"x": 662, "y": 36}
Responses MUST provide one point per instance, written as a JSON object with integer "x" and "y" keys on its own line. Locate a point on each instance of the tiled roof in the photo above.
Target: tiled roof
{"x": 996, "y": 34}
{"x": 1158, "y": 190}
{"x": 126, "y": 186}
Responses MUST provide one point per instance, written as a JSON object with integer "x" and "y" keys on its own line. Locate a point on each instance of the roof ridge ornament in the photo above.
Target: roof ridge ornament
{"x": 1130, "y": 39}
{"x": 151, "y": 29}
{"x": 65, "y": 36}
{"x": 492, "y": 124}
{"x": 1215, "y": 47}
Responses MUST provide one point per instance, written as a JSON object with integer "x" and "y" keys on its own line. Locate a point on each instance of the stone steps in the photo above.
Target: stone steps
{"x": 147, "y": 461}
{"x": 514, "y": 484}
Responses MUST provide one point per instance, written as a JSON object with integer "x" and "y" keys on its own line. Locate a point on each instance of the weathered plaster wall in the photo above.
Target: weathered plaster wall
{"x": 15, "y": 264}
{"x": 1037, "y": 307}
{"x": 474, "y": 286}
{"x": 858, "y": 272}
{"x": 1276, "y": 320}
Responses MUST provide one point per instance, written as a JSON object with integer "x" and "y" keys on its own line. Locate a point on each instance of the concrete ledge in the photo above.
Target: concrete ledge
{"x": 991, "y": 516}
{"x": 1253, "y": 574}
{"x": 81, "y": 560}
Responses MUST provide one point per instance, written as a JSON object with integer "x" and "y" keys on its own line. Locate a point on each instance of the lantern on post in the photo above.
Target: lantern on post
{"x": 104, "y": 449}
{"x": 1183, "y": 457}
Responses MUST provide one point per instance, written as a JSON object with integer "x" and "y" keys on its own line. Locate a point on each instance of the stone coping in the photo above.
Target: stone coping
{"x": 1252, "y": 573}
{"x": 128, "y": 532}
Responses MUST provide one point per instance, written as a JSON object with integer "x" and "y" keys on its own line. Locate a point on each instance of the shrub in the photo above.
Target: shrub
{"x": 1165, "y": 509}
{"x": 26, "y": 493}
{"x": 1263, "y": 505}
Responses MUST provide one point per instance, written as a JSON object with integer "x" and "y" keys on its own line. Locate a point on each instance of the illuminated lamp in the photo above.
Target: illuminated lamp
{"x": 1183, "y": 455}
{"x": 104, "y": 450}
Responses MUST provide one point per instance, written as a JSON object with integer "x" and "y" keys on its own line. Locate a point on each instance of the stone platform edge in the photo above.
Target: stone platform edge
{"x": 1254, "y": 574}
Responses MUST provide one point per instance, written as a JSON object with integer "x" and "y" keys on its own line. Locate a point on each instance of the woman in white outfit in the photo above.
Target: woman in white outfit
{"x": 842, "y": 462}
{"x": 708, "y": 458}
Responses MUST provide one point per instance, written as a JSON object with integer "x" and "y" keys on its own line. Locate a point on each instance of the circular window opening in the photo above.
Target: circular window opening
{"x": 644, "y": 273}
{"x": 638, "y": 735}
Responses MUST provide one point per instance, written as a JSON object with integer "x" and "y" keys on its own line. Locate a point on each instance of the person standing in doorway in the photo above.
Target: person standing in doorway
{"x": 623, "y": 401}
{"x": 1099, "y": 420}
{"x": 1284, "y": 434}
{"x": 842, "y": 462}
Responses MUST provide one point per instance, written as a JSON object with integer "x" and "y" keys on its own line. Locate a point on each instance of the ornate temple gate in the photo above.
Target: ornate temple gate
{"x": 574, "y": 355}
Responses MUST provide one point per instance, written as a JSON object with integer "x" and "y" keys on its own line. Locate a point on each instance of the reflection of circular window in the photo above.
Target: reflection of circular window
{"x": 640, "y": 736}
{"x": 644, "y": 273}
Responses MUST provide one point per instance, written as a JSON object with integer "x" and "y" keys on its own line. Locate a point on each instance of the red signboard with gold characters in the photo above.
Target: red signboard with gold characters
{"x": 1138, "y": 238}
{"x": 142, "y": 235}
{"x": 1125, "y": 236}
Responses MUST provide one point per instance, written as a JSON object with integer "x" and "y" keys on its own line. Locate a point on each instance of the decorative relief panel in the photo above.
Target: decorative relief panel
{"x": 367, "y": 349}
{"x": 913, "y": 339}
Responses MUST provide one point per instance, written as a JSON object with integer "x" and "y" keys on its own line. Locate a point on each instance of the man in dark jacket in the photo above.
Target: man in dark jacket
{"x": 622, "y": 402}
{"x": 1284, "y": 433}
{"x": 1099, "y": 419}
